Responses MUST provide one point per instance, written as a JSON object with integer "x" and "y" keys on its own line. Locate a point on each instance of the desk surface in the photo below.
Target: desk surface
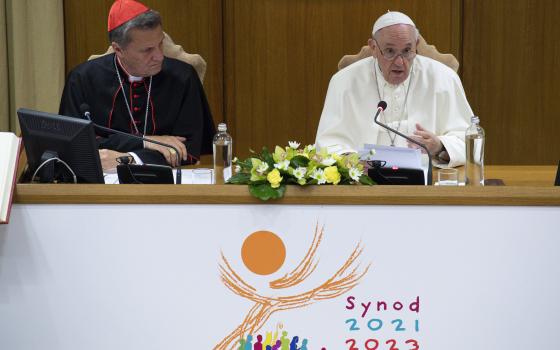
{"x": 524, "y": 185}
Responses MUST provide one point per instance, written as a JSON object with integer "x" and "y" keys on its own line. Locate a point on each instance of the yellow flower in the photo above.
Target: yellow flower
{"x": 332, "y": 175}
{"x": 274, "y": 178}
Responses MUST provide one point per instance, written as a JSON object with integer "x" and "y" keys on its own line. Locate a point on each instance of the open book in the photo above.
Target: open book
{"x": 9, "y": 155}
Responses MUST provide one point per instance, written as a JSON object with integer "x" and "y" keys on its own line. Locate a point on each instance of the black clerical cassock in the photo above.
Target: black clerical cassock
{"x": 177, "y": 106}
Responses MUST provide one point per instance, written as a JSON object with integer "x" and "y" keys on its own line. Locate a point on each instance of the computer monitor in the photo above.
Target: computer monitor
{"x": 557, "y": 181}
{"x": 72, "y": 140}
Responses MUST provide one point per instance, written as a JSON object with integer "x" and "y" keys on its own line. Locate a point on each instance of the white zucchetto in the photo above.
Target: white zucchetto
{"x": 391, "y": 18}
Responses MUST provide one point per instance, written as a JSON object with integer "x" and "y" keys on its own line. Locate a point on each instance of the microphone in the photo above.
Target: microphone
{"x": 381, "y": 106}
{"x": 84, "y": 109}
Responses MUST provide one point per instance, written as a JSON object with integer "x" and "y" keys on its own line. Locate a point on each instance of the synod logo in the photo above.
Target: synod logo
{"x": 263, "y": 253}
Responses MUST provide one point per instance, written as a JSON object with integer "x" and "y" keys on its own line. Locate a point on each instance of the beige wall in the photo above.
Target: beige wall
{"x": 269, "y": 61}
{"x": 31, "y": 57}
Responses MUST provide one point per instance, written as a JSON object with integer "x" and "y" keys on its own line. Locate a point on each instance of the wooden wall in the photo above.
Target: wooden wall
{"x": 511, "y": 55}
{"x": 270, "y": 61}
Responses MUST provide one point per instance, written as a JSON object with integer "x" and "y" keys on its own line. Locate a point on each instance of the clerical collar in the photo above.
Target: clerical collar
{"x": 131, "y": 78}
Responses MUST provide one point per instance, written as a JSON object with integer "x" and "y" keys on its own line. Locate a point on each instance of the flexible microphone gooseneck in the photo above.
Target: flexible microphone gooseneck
{"x": 381, "y": 106}
{"x": 84, "y": 109}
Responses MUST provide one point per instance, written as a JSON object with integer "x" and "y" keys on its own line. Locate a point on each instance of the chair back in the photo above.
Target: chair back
{"x": 423, "y": 48}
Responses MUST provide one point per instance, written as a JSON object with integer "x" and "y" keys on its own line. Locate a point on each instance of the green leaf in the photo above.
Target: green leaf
{"x": 366, "y": 180}
{"x": 291, "y": 180}
{"x": 245, "y": 164}
{"x": 345, "y": 181}
{"x": 259, "y": 182}
{"x": 344, "y": 172}
{"x": 266, "y": 192}
{"x": 299, "y": 161}
{"x": 267, "y": 157}
{"x": 239, "y": 179}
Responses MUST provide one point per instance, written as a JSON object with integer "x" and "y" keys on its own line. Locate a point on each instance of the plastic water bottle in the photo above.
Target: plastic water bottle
{"x": 222, "y": 155}
{"x": 474, "y": 167}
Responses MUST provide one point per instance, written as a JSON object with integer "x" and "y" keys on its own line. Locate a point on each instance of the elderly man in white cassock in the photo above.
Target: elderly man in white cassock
{"x": 425, "y": 99}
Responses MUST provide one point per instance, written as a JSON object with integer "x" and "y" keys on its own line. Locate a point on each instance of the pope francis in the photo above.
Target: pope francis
{"x": 425, "y": 98}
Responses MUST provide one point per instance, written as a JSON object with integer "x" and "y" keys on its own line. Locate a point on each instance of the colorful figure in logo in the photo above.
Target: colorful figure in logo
{"x": 249, "y": 343}
{"x": 269, "y": 340}
{"x": 277, "y": 345}
{"x": 258, "y": 345}
{"x": 304, "y": 345}
{"x": 241, "y": 344}
{"x": 285, "y": 341}
{"x": 294, "y": 343}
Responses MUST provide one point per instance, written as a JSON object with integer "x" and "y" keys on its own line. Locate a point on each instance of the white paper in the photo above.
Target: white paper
{"x": 401, "y": 157}
{"x": 111, "y": 177}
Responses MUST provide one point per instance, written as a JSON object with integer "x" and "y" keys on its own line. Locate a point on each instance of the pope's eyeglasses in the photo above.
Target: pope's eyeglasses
{"x": 390, "y": 54}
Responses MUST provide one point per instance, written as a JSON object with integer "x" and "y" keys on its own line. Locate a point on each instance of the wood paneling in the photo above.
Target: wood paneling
{"x": 270, "y": 61}
{"x": 280, "y": 56}
{"x": 511, "y": 74}
{"x": 194, "y": 24}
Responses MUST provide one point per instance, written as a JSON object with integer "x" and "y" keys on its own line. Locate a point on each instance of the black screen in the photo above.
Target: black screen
{"x": 72, "y": 139}
{"x": 557, "y": 182}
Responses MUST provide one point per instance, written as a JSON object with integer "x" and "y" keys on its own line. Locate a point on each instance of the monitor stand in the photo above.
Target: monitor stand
{"x": 53, "y": 171}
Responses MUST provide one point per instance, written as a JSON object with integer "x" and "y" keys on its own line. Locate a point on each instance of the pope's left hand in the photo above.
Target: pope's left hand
{"x": 428, "y": 139}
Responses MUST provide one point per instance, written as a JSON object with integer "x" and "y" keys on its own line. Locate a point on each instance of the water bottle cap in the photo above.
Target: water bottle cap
{"x": 222, "y": 127}
{"x": 475, "y": 119}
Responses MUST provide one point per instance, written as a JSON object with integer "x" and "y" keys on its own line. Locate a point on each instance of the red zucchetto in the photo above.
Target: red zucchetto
{"x": 123, "y": 11}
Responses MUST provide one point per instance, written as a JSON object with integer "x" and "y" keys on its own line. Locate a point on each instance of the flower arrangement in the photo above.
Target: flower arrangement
{"x": 267, "y": 174}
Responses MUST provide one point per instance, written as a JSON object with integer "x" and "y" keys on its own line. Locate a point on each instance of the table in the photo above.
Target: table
{"x": 162, "y": 266}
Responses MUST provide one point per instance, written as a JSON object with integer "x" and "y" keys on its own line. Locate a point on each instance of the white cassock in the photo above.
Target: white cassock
{"x": 436, "y": 100}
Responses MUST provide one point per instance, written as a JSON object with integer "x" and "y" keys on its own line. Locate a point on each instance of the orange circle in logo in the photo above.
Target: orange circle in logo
{"x": 263, "y": 252}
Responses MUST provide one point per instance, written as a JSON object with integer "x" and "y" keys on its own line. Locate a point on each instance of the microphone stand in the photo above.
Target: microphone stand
{"x": 379, "y": 110}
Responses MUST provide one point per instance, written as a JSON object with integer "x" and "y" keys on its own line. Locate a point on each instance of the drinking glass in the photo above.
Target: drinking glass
{"x": 448, "y": 177}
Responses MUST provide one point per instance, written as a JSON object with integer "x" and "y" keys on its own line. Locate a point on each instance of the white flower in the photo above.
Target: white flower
{"x": 310, "y": 148}
{"x": 235, "y": 160}
{"x": 328, "y": 161}
{"x": 262, "y": 168}
{"x": 282, "y": 165}
{"x": 300, "y": 172}
{"x": 294, "y": 144}
{"x": 355, "y": 173}
{"x": 237, "y": 168}
{"x": 319, "y": 175}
